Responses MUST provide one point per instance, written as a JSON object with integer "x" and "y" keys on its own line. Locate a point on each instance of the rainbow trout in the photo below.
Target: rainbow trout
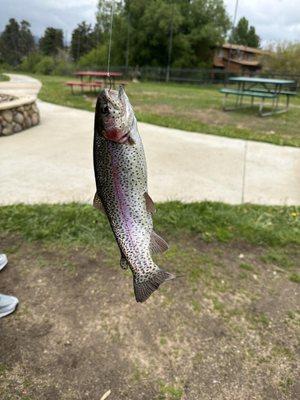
{"x": 122, "y": 193}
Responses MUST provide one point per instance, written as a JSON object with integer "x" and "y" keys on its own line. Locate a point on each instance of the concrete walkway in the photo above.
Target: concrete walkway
{"x": 53, "y": 162}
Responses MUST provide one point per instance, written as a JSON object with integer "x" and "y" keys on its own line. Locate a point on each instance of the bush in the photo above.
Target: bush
{"x": 64, "y": 64}
{"x": 284, "y": 58}
{"x": 63, "y": 67}
{"x": 95, "y": 58}
{"x": 4, "y": 67}
{"x": 46, "y": 66}
{"x": 30, "y": 62}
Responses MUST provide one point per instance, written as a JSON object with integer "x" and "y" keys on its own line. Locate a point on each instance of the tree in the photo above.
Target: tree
{"x": 26, "y": 38}
{"x": 153, "y": 32}
{"x": 245, "y": 35}
{"x": 197, "y": 25}
{"x": 253, "y": 38}
{"x": 52, "y": 41}
{"x": 102, "y": 32}
{"x": 283, "y": 58}
{"x": 82, "y": 40}
{"x": 10, "y": 37}
{"x": 103, "y": 14}
{"x": 16, "y": 42}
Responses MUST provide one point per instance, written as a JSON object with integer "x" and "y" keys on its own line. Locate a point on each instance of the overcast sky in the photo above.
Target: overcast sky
{"x": 274, "y": 20}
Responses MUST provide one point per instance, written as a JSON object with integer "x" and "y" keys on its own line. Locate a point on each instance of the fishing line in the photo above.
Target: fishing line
{"x": 110, "y": 36}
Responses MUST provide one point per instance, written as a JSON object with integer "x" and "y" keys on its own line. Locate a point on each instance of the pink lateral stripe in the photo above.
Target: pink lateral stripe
{"x": 124, "y": 212}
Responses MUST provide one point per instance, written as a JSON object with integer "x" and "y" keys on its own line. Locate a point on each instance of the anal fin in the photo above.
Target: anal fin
{"x": 157, "y": 243}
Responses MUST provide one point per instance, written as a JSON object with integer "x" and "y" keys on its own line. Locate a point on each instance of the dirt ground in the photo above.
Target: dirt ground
{"x": 225, "y": 330}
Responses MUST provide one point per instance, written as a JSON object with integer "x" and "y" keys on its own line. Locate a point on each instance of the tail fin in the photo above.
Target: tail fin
{"x": 143, "y": 290}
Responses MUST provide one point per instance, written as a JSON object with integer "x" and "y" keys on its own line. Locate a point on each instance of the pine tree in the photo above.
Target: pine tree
{"x": 253, "y": 38}
{"x": 52, "y": 41}
{"x": 10, "y": 43}
{"x": 16, "y": 42}
{"x": 82, "y": 40}
{"x": 245, "y": 35}
{"x": 26, "y": 38}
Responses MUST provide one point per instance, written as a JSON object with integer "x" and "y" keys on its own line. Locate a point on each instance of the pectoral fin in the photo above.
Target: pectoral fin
{"x": 130, "y": 141}
{"x": 97, "y": 203}
{"x": 150, "y": 207}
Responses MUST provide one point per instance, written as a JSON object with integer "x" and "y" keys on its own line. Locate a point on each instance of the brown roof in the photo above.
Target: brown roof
{"x": 242, "y": 48}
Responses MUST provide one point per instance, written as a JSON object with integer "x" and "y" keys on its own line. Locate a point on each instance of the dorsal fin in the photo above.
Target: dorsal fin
{"x": 150, "y": 207}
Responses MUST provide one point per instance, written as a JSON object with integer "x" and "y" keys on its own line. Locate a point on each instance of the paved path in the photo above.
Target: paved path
{"x": 53, "y": 162}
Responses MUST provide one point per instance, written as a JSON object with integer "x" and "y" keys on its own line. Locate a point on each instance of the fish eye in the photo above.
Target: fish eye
{"x": 105, "y": 109}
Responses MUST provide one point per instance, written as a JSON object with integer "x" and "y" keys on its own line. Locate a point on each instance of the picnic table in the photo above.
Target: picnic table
{"x": 261, "y": 88}
{"x": 99, "y": 74}
{"x": 89, "y": 83}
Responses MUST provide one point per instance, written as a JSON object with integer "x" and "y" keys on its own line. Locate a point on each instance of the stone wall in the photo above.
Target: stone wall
{"x": 17, "y": 115}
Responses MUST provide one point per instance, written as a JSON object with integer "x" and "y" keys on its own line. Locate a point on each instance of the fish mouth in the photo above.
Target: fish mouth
{"x": 124, "y": 138}
{"x": 111, "y": 96}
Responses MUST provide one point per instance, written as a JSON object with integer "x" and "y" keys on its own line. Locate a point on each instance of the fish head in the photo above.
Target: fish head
{"x": 116, "y": 115}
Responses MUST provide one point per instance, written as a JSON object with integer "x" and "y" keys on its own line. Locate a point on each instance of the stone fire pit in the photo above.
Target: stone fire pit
{"x": 17, "y": 113}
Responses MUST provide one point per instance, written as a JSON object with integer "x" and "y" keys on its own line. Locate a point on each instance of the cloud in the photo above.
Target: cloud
{"x": 274, "y": 20}
{"x": 41, "y": 14}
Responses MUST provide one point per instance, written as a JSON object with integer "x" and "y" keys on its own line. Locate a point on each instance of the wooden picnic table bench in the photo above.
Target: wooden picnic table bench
{"x": 261, "y": 88}
{"x": 120, "y": 83}
{"x": 250, "y": 93}
{"x": 83, "y": 85}
{"x": 283, "y": 92}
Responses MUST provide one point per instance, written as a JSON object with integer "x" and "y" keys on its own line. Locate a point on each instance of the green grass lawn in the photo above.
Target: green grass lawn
{"x": 73, "y": 223}
{"x": 231, "y": 317}
{"x": 188, "y": 107}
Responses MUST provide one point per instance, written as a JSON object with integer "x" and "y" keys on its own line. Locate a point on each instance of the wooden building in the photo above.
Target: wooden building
{"x": 238, "y": 59}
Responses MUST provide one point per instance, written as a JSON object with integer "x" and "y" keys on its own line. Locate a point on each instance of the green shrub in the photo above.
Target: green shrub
{"x": 95, "y": 58}
{"x": 46, "y": 66}
{"x": 3, "y": 77}
{"x": 63, "y": 67}
{"x": 283, "y": 58}
{"x": 4, "y": 67}
{"x": 30, "y": 62}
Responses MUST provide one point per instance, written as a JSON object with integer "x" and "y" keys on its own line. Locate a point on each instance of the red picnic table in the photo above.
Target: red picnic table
{"x": 93, "y": 85}
{"x": 99, "y": 74}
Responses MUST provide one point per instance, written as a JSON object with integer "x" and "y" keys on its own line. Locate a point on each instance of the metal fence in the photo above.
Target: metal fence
{"x": 199, "y": 76}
